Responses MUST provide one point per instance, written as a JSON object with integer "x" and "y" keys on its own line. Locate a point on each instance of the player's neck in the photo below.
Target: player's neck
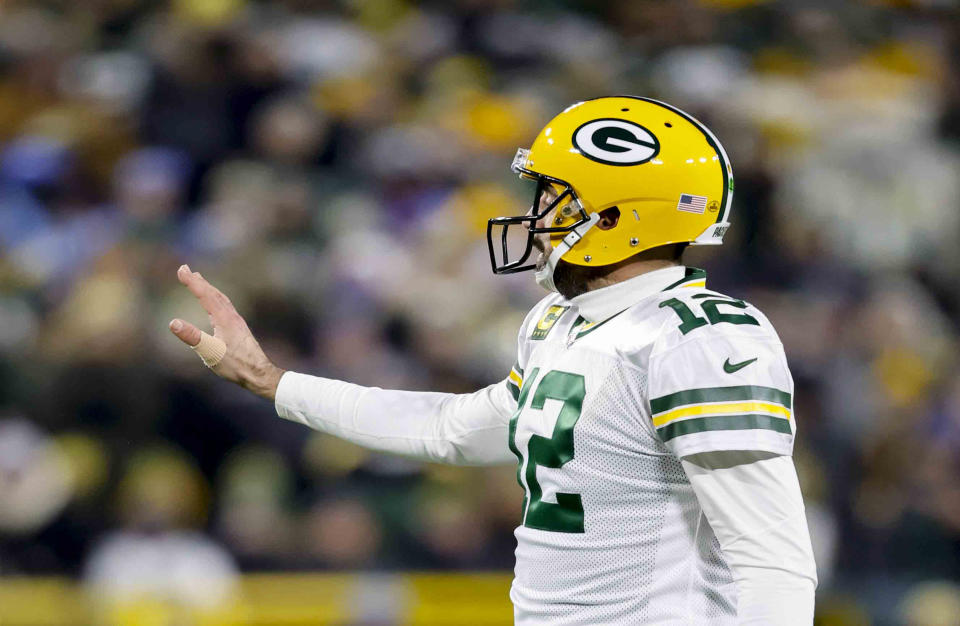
{"x": 572, "y": 280}
{"x": 621, "y": 273}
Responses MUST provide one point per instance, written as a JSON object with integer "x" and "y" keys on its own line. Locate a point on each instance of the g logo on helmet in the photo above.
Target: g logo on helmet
{"x": 615, "y": 142}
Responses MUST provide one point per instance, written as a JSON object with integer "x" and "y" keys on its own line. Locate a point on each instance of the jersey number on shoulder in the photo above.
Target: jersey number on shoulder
{"x": 566, "y": 516}
{"x": 710, "y": 305}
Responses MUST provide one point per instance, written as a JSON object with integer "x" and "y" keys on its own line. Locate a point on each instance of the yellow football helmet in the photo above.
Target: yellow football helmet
{"x": 665, "y": 172}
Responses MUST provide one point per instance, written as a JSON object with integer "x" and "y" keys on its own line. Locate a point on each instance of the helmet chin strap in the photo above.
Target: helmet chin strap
{"x": 545, "y": 274}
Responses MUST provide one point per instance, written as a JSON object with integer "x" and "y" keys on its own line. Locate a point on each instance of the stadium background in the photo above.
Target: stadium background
{"x": 330, "y": 165}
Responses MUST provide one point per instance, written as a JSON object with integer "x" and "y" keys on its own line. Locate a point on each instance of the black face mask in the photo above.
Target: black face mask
{"x": 503, "y": 264}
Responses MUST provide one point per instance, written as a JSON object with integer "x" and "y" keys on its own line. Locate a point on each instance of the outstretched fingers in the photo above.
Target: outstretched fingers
{"x": 246, "y": 365}
{"x": 211, "y": 299}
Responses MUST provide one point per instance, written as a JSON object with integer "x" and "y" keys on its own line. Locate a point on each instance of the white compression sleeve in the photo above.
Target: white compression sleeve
{"x": 753, "y": 503}
{"x": 463, "y": 429}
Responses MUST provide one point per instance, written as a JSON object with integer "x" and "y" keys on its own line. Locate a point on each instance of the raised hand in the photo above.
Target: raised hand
{"x": 231, "y": 352}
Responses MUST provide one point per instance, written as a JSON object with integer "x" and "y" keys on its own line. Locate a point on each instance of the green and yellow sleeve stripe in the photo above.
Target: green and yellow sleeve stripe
{"x": 744, "y": 407}
{"x": 515, "y": 381}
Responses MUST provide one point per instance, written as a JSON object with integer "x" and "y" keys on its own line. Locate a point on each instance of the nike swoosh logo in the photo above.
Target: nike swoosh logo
{"x": 730, "y": 368}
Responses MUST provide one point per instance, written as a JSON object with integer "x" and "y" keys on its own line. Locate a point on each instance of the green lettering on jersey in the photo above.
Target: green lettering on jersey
{"x": 690, "y": 321}
{"x": 566, "y": 515}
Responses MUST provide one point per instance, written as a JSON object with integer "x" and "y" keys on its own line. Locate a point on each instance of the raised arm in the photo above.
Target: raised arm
{"x": 466, "y": 429}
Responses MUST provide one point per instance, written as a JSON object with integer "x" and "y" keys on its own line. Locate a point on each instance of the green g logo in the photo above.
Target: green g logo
{"x": 615, "y": 142}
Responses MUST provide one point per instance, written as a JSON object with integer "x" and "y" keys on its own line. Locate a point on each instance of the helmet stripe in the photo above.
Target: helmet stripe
{"x": 727, "y": 198}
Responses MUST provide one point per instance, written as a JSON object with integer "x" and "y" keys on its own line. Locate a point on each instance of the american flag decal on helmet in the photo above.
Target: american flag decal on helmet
{"x": 692, "y": 204}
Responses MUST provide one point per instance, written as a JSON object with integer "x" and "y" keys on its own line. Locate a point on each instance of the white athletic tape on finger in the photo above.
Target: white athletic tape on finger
{"x": 210, "y": 349}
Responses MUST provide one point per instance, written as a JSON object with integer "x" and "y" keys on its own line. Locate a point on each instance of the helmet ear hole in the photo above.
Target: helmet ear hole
{"x": 609, "y": 218}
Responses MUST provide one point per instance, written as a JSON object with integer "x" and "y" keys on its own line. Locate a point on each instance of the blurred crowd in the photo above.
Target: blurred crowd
{"x": 331, "y": 164}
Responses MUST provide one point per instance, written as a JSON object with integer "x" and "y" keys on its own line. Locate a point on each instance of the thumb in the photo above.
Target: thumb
{"x": 185, "y": 331}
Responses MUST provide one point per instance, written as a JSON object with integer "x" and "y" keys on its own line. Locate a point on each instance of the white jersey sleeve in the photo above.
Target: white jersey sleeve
{"x": 718, "y": 379}
{"x": 460, "y": 429}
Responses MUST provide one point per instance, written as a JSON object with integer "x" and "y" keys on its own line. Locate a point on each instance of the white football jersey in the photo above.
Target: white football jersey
{"x": 612, "y": 389}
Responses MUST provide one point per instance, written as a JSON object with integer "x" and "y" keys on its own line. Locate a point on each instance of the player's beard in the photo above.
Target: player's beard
{"x": 541, "y": 261}
{"x": 541, "y": 244}
{"x": 572, "y": 280}
{"x": 569, "y": 280}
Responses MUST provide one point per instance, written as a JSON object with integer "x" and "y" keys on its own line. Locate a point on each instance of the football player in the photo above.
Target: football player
{"x": 651, "y": 417}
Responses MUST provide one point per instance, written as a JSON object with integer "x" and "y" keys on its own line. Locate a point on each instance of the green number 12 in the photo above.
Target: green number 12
{"x": 709, "y": 303}
{"x": 566, "y": 516}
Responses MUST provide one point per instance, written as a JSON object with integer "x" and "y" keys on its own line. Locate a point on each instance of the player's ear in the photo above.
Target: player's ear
{"x": 608, "y": 218}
